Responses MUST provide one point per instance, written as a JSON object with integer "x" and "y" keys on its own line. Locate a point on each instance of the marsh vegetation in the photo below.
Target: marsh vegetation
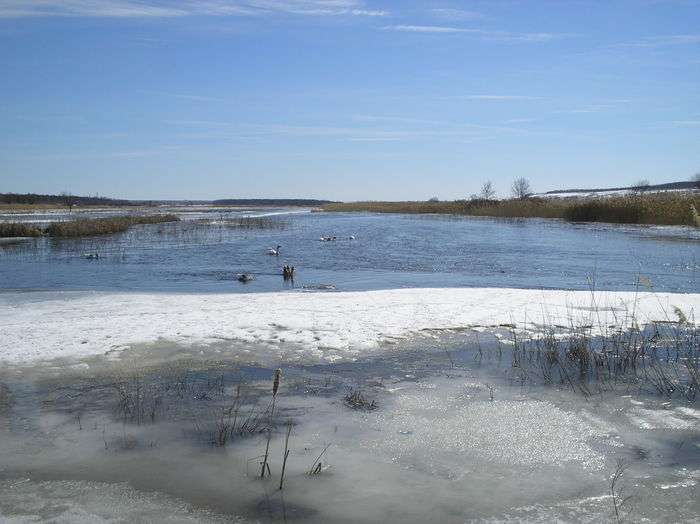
{"x": 82, "y": 227}
{"x": 641, "y": 208}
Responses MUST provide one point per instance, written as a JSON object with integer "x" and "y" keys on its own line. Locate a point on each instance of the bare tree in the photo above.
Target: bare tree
{"x": 487, "y": 191}
{"x": 640, "y": 186}
{"x": 520, "y": 188}
{"x": 695, "y": 177}
{"x": 69, "y": 200}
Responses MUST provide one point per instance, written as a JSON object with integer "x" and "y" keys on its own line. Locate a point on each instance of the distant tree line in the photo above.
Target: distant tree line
{"x": 69, "y": 200}
{"x": 63, "y": 199}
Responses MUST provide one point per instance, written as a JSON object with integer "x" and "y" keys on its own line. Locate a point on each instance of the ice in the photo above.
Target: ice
{"x": 436, "y": 449}
{"x": 661, "y": 419}
{"x": 79, "y": 502}
{"x": 439, "y": 424}
{"x": 298, "y": 326}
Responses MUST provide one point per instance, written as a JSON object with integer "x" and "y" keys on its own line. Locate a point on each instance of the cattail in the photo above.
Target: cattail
{"x": 276, "y": 382}
{"x": 265, "y": 468}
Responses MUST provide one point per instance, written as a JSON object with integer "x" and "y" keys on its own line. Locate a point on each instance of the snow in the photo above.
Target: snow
{"x": 298, "y": 326}
{"x": 609, "y": 193}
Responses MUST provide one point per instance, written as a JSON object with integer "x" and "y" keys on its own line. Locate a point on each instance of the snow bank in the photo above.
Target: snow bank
{"x": 317, "y": 326}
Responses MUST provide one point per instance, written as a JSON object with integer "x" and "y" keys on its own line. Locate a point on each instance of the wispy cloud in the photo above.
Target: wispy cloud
{"x": 424, "y": 29}
{"x": 665, "y": 40}
{"x": 93, "y": 8}
{"x": 177, "y": 8}
{"x": 396, "y": 119}
{"x": 184, "y": 96}
{"x": 594, "y": 108}
{"x": 504, "y": 36}
{"x": 377, "y": 129}
{"x": 455, "y": 14}
{"x": 369, "y": 12}
{"x": 683, "y": 123}
{"x": 521, "y": 120}
{"x": 496, "y": 98}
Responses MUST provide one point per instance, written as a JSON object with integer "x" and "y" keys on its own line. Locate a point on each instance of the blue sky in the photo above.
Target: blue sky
{"x": 345, "y": 99}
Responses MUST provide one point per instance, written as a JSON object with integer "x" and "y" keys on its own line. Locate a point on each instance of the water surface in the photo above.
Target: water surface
{"x": 203, "y": 253}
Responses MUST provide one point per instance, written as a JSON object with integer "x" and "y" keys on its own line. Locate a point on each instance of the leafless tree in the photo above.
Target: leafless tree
{"x": 487, "y": 191}
{"x": 520, "y": 188}
{"x": 695, "y": 177}
{"x": 69, "y": 200}
{"x": 642, "y": 185}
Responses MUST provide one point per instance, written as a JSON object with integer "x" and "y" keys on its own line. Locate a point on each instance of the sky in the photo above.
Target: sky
{"x": 345, "y": 99}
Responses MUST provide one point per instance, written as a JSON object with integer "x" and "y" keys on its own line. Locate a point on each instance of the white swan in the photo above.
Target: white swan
{"x": 274, "y": 252}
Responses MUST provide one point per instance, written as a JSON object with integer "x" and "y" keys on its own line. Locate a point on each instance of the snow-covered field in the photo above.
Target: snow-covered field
{"x": 322, "y": 327}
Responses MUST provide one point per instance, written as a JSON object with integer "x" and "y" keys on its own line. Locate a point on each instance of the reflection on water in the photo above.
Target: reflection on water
{"x": 205, "y": 252}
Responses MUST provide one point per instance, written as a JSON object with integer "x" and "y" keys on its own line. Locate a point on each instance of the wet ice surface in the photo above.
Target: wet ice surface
{"x": 437, "y": 448}
{"x": 436, "y": 427}
{"x": 81, "y": 502}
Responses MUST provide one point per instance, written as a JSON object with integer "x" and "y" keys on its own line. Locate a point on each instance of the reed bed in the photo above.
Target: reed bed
{"x": 254, "y": 223}
{"x": 18, "y": 229}
{"x": 656, "y": 208}
{"x": 103, "y": 226}
{"x": 663, "y": 358}
{"x": 643, "y": 208}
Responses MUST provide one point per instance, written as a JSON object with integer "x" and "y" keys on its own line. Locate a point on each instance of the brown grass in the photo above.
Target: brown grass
{"x": 650, "y": 208}
{"x": 19, "y": 230}
{"x": 103, "y": 226}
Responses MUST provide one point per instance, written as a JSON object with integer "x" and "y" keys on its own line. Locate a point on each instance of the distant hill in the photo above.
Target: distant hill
{"x": 671, "y": 186}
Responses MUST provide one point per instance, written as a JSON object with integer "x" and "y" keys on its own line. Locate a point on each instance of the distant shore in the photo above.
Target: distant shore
{"x": 678, "y": 208}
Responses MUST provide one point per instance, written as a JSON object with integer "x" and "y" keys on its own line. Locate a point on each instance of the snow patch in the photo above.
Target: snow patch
{"x": 298, "y": 325}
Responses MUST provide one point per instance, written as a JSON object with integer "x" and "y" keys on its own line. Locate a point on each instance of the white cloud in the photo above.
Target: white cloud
{"x": 368, "y": 12}
{"x": 497, "y": 98}
{"x": 424, "y": 29}
{"x": 521, "y": 120}
{"x": 160, "y": 8}
{"x": 186, "y": 96}
{"x": 455, "y": 14}
{"x": 505, "y": 36}
{"x": 105, "y": 8}
{"x": 684, "y": 123}
{"x": 665, "y": 40}
{"x": 396, "y": 119}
